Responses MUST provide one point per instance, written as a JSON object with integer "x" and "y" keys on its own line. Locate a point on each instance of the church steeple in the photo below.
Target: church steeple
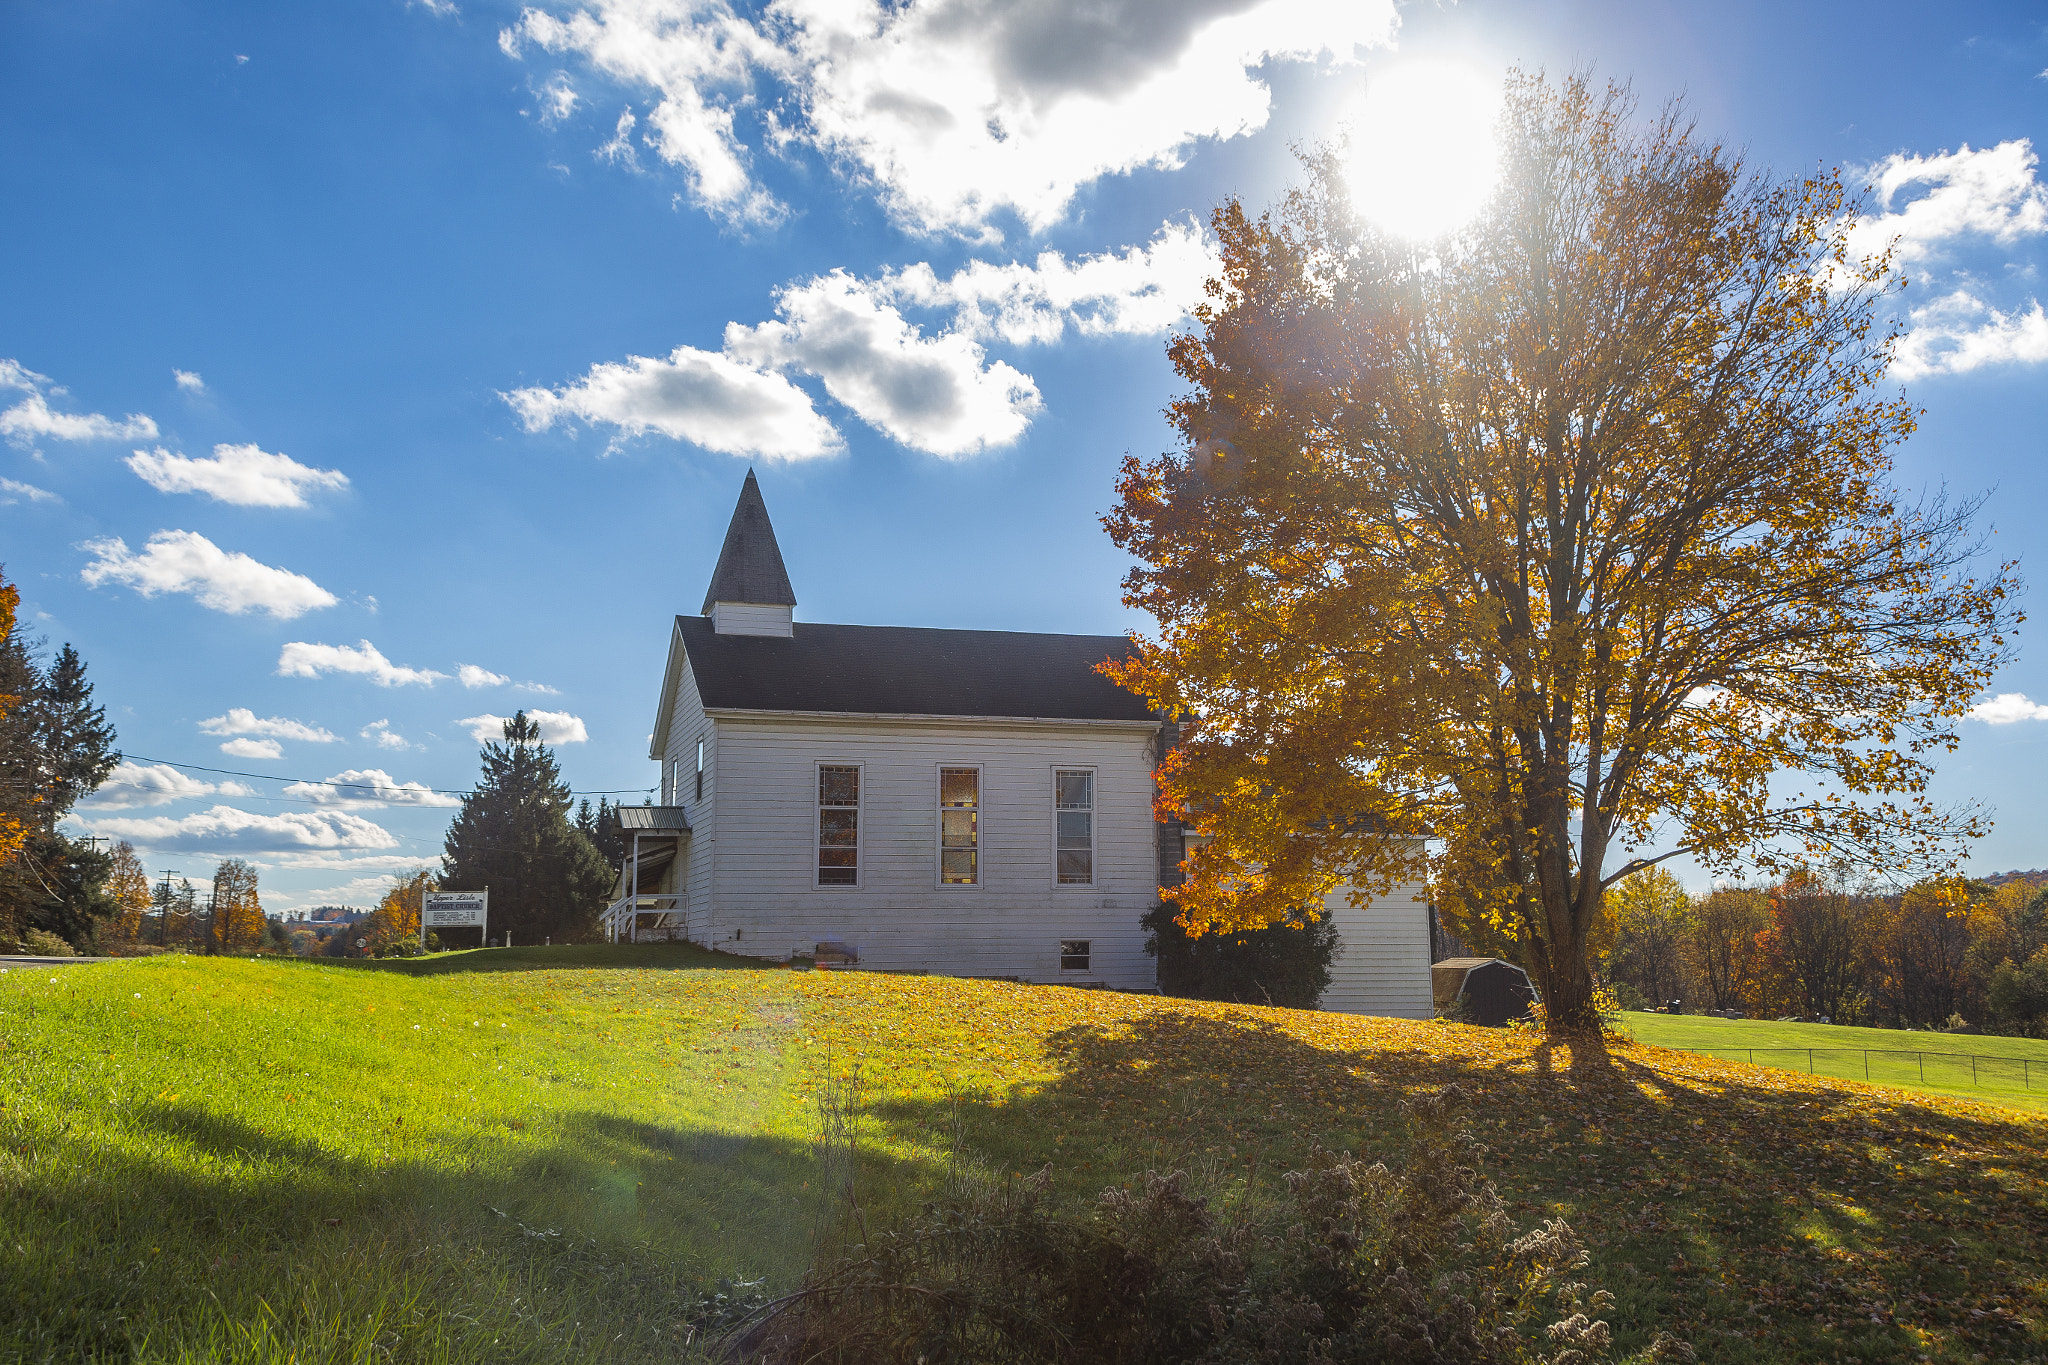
{"x": 750, "y": 592}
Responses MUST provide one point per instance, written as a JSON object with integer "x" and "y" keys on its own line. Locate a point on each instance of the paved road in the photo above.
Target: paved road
{"x": 7, "y": 962}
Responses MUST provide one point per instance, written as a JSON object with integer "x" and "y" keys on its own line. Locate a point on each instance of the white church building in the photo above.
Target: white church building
{"x": 957, "y": 802}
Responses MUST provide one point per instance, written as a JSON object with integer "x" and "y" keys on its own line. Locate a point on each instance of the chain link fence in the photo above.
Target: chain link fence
{"x": 1883, "y": 1066}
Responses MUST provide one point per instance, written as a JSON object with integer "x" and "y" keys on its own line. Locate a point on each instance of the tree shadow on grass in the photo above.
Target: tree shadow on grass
{"x": 560, "y": 958}
{"x": 1764, "y": 1222}
{"x": 195, "y": 1228}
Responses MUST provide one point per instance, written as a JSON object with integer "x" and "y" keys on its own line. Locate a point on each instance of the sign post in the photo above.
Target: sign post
{"x": 453, "y": 910}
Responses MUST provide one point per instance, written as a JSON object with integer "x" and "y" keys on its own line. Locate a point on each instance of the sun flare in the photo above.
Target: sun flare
{"x": 1422, "y": 155}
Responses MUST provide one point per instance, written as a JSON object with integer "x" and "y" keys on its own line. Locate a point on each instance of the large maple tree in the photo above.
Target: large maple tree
{"x": 1514, "y": 556}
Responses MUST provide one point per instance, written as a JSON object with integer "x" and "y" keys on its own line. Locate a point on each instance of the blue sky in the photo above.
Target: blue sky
{"x": 345, "y": 346}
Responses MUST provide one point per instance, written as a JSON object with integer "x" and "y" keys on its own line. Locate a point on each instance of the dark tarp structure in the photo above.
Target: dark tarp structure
{"x": 1490, "y": 991}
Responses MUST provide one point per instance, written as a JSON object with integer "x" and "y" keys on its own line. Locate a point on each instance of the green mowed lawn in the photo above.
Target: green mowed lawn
{"x": 2010, "y": 1071}
{"x": 559, "y": 1154}
{"x": 262, "y": 1160}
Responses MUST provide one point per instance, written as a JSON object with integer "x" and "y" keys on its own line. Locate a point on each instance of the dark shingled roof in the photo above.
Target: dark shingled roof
{"x": 905, "y": 670}
{"x": 750, "y": 565}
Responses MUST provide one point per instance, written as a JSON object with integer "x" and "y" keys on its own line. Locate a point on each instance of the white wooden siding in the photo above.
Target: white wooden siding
{"x": 691, "y": 873}
{"x": 1384, "y": 968}
{"x": 751, "y": 618}
{"x": 764, "y": 901}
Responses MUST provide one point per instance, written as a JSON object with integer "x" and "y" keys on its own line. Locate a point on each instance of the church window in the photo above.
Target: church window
{"x": 1074, "y": 818}
{"x": 838, "y": 826}
{"x": 959, "y": 826}
{"x": 700, "y": 772}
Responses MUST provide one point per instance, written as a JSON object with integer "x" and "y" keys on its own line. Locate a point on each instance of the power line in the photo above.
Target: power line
{"x": 353, "y": 786}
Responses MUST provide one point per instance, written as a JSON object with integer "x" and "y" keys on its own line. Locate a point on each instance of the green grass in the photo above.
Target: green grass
{"x": 2009, "y": 1071}
{"x": 236, "y": 1159}
{"x": 551, "y": 1154}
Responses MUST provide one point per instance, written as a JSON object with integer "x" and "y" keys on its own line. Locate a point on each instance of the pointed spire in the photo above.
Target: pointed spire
{"x": 750, "y": 565}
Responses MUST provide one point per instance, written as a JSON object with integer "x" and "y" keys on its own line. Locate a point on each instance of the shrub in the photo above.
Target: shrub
{"x": 1284, "y": 964}
{"x": 43, "y": 943}
{"x": 1358, "y": 1264}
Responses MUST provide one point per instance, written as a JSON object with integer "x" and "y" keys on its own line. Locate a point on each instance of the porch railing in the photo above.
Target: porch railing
{"x": 621, "y": 919}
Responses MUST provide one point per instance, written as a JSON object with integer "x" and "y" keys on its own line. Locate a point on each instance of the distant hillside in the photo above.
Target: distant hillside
{"x": 1997, "y": 879}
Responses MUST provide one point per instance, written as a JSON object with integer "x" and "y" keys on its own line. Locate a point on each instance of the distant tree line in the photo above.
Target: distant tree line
{"x": 176, "y": 916}
{"x": 1940, "y": 954}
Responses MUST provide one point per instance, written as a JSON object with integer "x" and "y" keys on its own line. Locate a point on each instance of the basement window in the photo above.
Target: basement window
{"x": 1074, "y": 954}
{"x": 838, "y": 826}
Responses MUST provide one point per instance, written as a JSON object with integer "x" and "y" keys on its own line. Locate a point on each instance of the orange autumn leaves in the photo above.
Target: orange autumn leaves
{"x": 13, "y": 830}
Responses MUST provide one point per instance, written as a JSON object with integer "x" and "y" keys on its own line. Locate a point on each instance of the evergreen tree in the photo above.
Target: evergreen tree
{"x": 74, "y": 743}
{"x": 513, "y": 836}
{"x": 55, "y": 746}
{"x": 601, "y": 827}
{"x": 60, "y": 884}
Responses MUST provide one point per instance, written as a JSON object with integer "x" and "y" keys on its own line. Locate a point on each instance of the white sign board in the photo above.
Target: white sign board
{"x": 453, "y": 909}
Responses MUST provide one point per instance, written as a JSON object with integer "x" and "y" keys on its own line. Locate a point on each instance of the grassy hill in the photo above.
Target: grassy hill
{"x": 558, "y": 1154}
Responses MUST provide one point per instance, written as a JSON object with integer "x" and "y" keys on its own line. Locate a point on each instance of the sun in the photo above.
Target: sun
{"x": 1422, "y": 157}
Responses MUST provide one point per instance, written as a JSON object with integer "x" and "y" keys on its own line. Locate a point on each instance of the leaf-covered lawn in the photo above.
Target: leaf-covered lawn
{"x": 208, "y": 1159}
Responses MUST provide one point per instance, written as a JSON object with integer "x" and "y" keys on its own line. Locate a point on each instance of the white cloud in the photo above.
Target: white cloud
{"x": 253, "y": 748}
{"x": 242, "y": 475}
{"x": 440, "y": 9}
{"x": 292, "y": 861}
{"x": 558, "y": 98}
{"x": 32, "y": 416}
{"x": 1143, "y": 291}
{"x": 700, "y": 57}
{"x": 2008, "y": 708}
{"x": 368, "y": 787}
{"x": 189, "y": 381}
{"x": 556, "y": 727}
{"x": 1987, "y": 193}
{"x": 157, "y": 784}
{"x": 240, "y": 720}
{"x": 472, "y": 675}
{"x": 1960, "y": 332}
{"x": 697, "y": 396}
{"x": 302, "y": 660}
{"x": 953, "y": 110}
{"x": 187, "y": 562}
{"x": 620, "y": 150}
{"x": 17, "y": 491}
{"x": 380, "y": 733}
{"x": 225, "y": 829}
{"x": 937, "y": 394}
